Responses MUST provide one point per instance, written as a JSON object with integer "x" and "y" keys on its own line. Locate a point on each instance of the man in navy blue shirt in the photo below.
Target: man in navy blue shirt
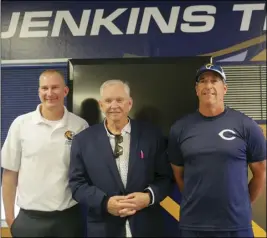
{"x": 210, "y": 151}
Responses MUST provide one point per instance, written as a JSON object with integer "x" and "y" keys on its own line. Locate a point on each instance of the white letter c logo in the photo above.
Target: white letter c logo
{"x": 221, "y": 134}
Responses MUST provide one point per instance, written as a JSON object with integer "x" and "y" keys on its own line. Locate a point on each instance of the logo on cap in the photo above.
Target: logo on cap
{"x": 208, "y": 66}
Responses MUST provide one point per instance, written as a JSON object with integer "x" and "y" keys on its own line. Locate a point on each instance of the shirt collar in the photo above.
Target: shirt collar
{"x": 37, "y": 118}
{"x": 126, "y": 128}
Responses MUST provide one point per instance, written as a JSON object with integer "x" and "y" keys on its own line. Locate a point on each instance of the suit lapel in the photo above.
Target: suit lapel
{"x": 133, "y": 155}
{"x": 108, "y": 157}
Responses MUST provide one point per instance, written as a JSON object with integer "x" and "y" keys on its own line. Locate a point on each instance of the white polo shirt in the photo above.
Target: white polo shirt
{"x": 40, "y": 151}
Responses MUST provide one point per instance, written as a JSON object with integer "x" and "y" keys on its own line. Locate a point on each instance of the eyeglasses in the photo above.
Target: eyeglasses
{"x": 118, "y": 151}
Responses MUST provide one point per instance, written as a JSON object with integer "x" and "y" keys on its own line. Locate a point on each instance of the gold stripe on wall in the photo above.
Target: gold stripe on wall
{"x": 5, "y": 232}
{"x": 257, "y": 230}
{"x": 173, "y": 208}
{"x": 263, "y": 129}
{"x": 237, "y": 47}
{"x": 260, "y": 57}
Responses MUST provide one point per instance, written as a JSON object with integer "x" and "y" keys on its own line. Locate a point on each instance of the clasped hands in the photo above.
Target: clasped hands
{"x": 127, "y": 205}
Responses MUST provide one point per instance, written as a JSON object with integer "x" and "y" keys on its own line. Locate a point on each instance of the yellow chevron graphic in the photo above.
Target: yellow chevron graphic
{"x": 174, "y": 209}
{"x": 263, "y": 126}
{"x": 260, "y": 57}
{"x": 239, "y": 46}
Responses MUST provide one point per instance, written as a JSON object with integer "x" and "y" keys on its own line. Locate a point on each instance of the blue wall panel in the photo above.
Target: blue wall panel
{"x": 19, "y": 90}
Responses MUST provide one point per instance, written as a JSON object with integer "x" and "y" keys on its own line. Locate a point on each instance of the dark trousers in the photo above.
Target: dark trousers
{"x": 248, "y": 233}
{"x": 67, "y": 223}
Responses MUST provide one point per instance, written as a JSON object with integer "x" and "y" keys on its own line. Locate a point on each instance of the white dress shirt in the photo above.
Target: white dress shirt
{"x": 123, "y": 161}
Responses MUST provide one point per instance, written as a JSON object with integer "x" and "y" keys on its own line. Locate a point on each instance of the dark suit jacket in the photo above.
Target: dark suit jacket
{"x": 93, "y": 175}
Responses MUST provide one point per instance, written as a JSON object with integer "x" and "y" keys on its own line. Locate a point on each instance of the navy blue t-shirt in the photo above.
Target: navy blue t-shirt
{"x": 215, "y": 152}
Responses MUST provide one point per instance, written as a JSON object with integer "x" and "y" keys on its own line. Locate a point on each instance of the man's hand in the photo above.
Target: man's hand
{"x": 115, "y": 205}
{"x": 10, "y": 221}
{"x": 140, "y": 200}
{"x": 127, "y": 212}
{"x": 9, "y": 187}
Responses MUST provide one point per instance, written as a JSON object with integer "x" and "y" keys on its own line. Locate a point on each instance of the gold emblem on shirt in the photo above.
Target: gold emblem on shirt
{"x": 69, "y": 136}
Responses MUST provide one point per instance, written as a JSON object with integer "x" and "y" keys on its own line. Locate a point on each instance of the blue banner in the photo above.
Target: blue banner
{"x": 232, "y": 32}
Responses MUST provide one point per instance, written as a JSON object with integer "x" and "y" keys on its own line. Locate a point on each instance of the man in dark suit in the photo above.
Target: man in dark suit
{"x": 119, "y": 170}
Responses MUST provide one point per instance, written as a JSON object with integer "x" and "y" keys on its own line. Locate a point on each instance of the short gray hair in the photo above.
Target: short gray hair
{"x": 115, "y": 81}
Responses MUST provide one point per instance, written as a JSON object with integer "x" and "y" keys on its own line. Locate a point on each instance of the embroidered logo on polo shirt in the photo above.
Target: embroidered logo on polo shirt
{"x": 69, "y": 136}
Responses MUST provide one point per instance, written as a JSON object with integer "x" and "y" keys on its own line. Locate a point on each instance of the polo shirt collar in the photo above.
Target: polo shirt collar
{"x": 38, "y": 118}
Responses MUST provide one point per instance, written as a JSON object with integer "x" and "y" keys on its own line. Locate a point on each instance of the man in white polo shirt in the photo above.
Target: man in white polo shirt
{"x": 35, "y": 157}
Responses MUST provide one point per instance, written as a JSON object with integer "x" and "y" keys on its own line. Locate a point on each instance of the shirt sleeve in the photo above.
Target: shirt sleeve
{"x": 152, "y": 195}
{"x": 256, "y": 142}
{"x": 86, "y": 125}
{"x": 174, "y": 150}
{"x": 11, "y": 150}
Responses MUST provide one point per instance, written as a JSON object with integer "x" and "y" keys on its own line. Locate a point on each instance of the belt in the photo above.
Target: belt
{"x": 75, "y": 208}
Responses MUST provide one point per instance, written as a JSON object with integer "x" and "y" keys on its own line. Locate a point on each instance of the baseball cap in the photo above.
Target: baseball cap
{"x": 211, "y": 67}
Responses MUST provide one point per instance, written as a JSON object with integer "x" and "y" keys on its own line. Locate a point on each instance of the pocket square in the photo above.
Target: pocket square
{"x": 142, "y": 154}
